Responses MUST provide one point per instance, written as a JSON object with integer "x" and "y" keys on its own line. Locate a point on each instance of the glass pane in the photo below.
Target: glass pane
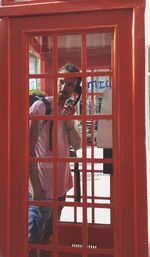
{"x": 106, "y": 105}
{"x": 98, "y": 184}
{"x": 67, "y": 214}
{"x": 104, "y": 134}
{"x": 44, "y": 85}
{"x": 55, "y": 138}
{"x": 93, "y": 105}
{"x": 101, "y": 185}
{"x": 75, "y": 193}
{"x": 98, "y": 153}
{"x": 40, "y": 54}
{"x": 91, "y": 132}
{"x": 99, "y": 51}
{"x": 69, "y": 50}
{"x": 102, "y": 216}
{"x": 44, "y": 170}
{"x": 97, "y": 88}
{"x": 36, "y": 172}
{"x": 98, "y": 84}
{"x": 93, "y": 184}
{"x": 89, "y": 215}
{"x": 43, "y": 132}
{"x": 72, "y": 214}
{"x": 75, "y": 98}
{"x": 41, "y": 95}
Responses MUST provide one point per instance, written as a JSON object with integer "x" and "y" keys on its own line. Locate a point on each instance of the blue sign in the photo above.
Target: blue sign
{"x": 96, "y": 85}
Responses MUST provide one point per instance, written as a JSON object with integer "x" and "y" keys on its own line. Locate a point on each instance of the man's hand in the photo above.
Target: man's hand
{"x": 68, "y": 109}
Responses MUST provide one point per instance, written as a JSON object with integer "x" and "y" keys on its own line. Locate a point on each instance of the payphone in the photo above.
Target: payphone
{"x": 106, "y": 43}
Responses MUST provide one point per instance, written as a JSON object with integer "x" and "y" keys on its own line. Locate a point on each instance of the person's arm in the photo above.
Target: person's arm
{"x": 73, "y": 134}
{"x": 38, "y": 192}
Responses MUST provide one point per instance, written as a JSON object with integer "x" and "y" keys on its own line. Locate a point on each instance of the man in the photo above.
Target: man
{"x": 41, "y": 175}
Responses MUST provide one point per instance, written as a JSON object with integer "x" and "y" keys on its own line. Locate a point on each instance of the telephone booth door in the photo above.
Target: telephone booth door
{"x": 98, "y": 217}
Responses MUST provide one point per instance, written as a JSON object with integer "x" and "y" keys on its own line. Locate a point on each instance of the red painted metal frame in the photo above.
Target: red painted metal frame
{"x": 4, "y": 137}
{"x": 131, "y": 225}
{"x": 68, "y": 6}
{"x": 139, "y": 139}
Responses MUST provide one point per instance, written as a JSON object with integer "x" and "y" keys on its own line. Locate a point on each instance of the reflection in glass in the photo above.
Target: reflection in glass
{"x": 74, "y": 193}
{"x": 67, "y": 214}
{"x": 44, "y": 142}
{"x": 106, "y": 106}
{"x": 41, "y": 170}
{"x": 98, "y": 153}
{"x": 40, "y": 54}
{"x": 89, "y": 215}
{"x": 104, "y": 134}
{"x": 89, "y": 184}
{"x": 96, "y": 88}
{"x": 102, "y": 216}
{"x": 93, "y": 182}
{"x": 43, "y": 86}
{"x": 69, "y": 49}
{"x": 101, "y": 185}
{"x": 79, "y": 214}
{"x": 72, "y": 214}
{"x": 99, "y": 51}
{"x": 98, "y": 185}
{"x": 34, "y": 64}
{"x": 91, "y": 131}
{"x": 98, "y": 84}
{"x": 98, "y": 166}
{"x": 93, "y": 105}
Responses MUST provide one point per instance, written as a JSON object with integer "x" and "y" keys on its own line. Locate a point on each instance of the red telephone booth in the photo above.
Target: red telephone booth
{"x": 105, "y": 40}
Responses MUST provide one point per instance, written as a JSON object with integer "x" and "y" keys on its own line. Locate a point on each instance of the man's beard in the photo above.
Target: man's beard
{"x": 62, "y": 97}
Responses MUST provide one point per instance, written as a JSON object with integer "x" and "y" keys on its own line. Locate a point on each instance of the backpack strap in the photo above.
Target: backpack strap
{"x": 48, "y": 112}
{"x": 47, "y": 105}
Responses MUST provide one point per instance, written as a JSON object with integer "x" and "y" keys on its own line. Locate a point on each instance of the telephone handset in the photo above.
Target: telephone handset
{"x": 78, "y": 90}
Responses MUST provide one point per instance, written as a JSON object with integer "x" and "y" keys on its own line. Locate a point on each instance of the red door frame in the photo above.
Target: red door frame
{"x": 4, "y": 149}
{"x": 9, "y": 8}
{"x": 137, "y": 180}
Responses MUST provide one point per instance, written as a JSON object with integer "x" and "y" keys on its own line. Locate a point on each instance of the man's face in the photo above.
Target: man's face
{"x": 66, "y": 87}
